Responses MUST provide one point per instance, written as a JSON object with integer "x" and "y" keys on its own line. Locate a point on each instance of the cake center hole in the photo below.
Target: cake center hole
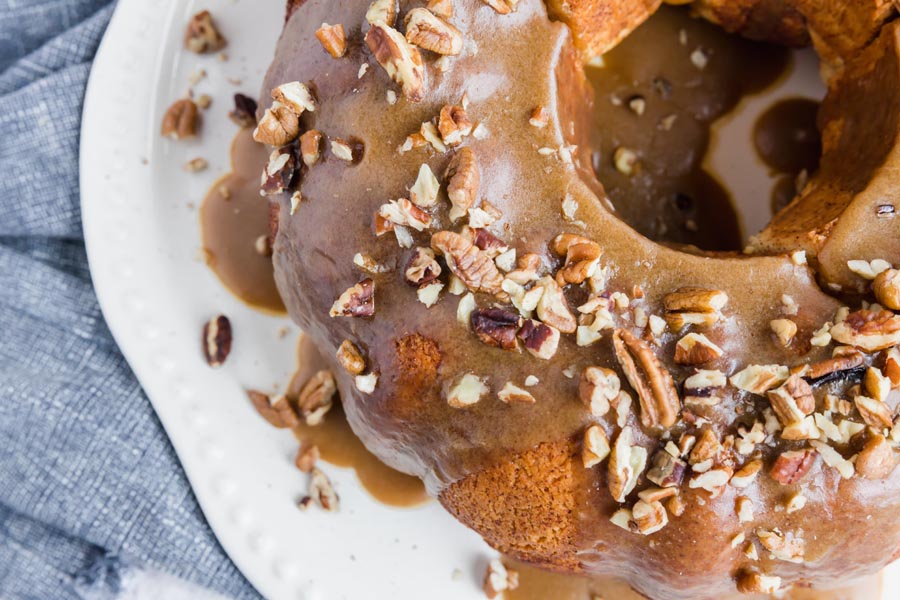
{"x": 699, "y": 134}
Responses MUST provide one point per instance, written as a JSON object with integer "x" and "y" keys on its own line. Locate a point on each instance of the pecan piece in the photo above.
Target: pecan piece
{"x": 887, "y": 288}
{"x": 696, "y": 349}
{"x": 539, "y": 339}
{"x": 694, "y": 306}
{"x": 473, "y": 266}
{"x": 217, "y": 340}
{"x": 496, "y": 327}
{"x": 322, "y": 491}
{"x": 428, "y": 31}
{"x": 553, "y": 309}
{"x": 704, "y": 387}
{"x": 466, "y": 391}
{"x": 454, "y": 124}
{"x": 504, "y": 7}
{"x": 875, "y": 413}
{"x": 424, "y": 191}
{"x": 653, "y": 383}
{"x": 316, "y": 397}
{"x": 310, "y": 147}
{"x": 277, "y": 411}
{"x": 513, "y": 394}
{"x": 792, "y": 401}
{"x": 582, "y": 258}
{"x": 626, "y": 463}
{"x": 182, "y": 120}
{"x": 244, "y": 112}
{"x": 649, "y": 517}
{"x": 666, "y": 471}
{"x": 279, "y": 172}
{"x": 202, "y": 36}
{"x": 844, "y": 361}
{"x": 422, "y": 267}
{"x": 499, "y": 579}
{"x": 595, "y": 446}
{"x": 463, "y": 178}
{"x": 383, "y": 11}
{"x": 333, "y": 39}
{"x": 752, "y": 582}
{"x": 307, "y": 457}
{"x": 791, "y": 466}
{"x": 349, "y": 356}
{"x": 400, "y": 59}
{"x": 279, "y": 126}
{"x": 598, "y": 387}
{"x": 442, "y": 8}
{"x": 868, "y": 330}
{"x": 876, "y": 460}
{"x": 295, "y": 96}
{"x": 357, "y": 301}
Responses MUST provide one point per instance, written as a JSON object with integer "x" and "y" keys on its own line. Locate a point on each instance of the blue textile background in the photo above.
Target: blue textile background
{"x": 89, "y": 483}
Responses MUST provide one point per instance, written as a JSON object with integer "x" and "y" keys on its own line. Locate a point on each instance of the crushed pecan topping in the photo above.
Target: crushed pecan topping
{"x": 869, "y": 330}
{"x": 202, "y": 36}
{"x": 422, "y": 267}
{"x": 784, "y": 330}
{"x": 427, "y": 30}
{"x": 704, "y": 388}
{"x": 792, "y": 401}
{"x": 442, "y": 8}
{"x": 315, "y": 399}
{"x": 834, "y": 459}
{"x": 696, "y": 349}
{"x": 401, "y": 212}
{"x": 783, "y": 546}
{"x": 350, "y": 357}
{"x": 466, "y": 391}
{"x": 424, "y": 191}
{"x": 182, "y": 120}
{"x": 454, "y": 124}
{"x": 887, "y": 288}
{"x": 875, "y": 413}
{"x": 400, "y": 59}
{"x": 653, "y": 383}
{"x": 295, "y": 96}
{"x": 553, "y": 309}
{"x": 877, "y": 384}
{"x": 473, "y": 266}
{"x": 279, "y": 172}
{"x": 598, "y": 387}
{"x": 666, "y": 471}
{"x": 504, "y": 7}
{"x": 539, "y": 339}
{"x": 357, "y": 301}
{"x": 876, "y": 459}
{"x": 745, "y": 475}
{"x": 843, "y": 361}
{"x": 758, "y": 379}
{"x": 279, "y": 126}
{"x": 582, "y": 258}
{"x": 540, "y": 117}
{"x": 752, "y": 582}
{"x": 382, "y": 11}
{"x": 311, "y": 147}
{"x": 649, "y": 517}
{"x": 463, "y": 177}
{"x": 333, "y": 39}
{"x": 499, "y": 579}
{"x": 892, "y": 366}
{"x": 706, "y": 448}
{"x": 792, "y": 465}
{"x": 513, "y": 394}
{"x": 595, "y": 446}
{"x": 694, "y": 306}
{"x": 626, "y": 463}
{"x": 307, "y": 457}
{"x": 496, "y": 327}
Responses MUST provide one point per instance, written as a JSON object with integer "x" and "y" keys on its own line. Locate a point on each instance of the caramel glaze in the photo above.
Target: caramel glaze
{"x": 233, "y": 216}
{"x": 339, "y": 446}
{"x": 671, "y": 198}
{"x": 522, "y": 59}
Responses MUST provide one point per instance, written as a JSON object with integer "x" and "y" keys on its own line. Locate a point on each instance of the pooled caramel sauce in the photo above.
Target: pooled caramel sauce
{"x": 787, "y": 139}
{"x": 339, "y": 446}
{"x": 537, "y": 584}
{"x": 681, "y": 74}
{"x": 232, "y": 218}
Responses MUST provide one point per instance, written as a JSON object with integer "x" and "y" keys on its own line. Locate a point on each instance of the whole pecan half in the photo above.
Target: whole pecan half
{"x": 653, "y": 383}
{"x": 473, "y": 266}
{"x": 217, "y": 340}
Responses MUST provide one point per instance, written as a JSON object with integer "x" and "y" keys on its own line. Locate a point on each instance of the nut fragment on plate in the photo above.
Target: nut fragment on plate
{"x": 463, "y": 177}
{"x": 333, "y": 39}
{"x": 202, "y": 36}
{"x": 626, "y": 463}
{"x": 499, "y": 579}
{"x": 322, "y": 490}
{"x": 182, "y": 120}
{"x": 496, "y": 327}
{"x": 694, "y": 306}
{"x": 595, "y": 446}
{"x": 869, "y": 330}
{"x": 400, "y": 59}
{"x": 217, "y": 337}
{"x": 473, "y": 266}
{"x": 513, "y": 394}
{"x": 307, "y": 457}
{"x": 658, "y": 397}
{"x": 357, "y": 301}
{"x": 597, "y": 388}
{"x": 316, "y": 398}
{"x": 277, "y": 410}
{"x": 427, "y": 30}
{"x": 696, "y": 349}
{"x": 466, "y": 391}
{"x": 350, "y": 357}
{"x": 792, "y": 465}
{"x": 244, "y": 112}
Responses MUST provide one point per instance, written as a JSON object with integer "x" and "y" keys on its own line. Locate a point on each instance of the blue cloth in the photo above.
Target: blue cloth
{"x": 89, "y": 483}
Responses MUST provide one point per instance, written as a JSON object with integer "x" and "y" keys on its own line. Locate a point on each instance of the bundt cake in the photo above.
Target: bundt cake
{"x": 586, "y": 399}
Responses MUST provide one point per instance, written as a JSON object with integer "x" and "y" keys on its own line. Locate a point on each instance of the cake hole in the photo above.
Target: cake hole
{"x": 722, "y": 129}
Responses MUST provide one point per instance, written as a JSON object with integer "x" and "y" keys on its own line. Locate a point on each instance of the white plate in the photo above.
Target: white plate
{"x": 142, "y": 235}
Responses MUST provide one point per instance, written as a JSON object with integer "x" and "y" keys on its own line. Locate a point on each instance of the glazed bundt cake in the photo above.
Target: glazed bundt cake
{"x": 586, "y": 399}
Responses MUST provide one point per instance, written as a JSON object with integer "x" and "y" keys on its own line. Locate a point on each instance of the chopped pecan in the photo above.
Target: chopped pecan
{"x": 499, "y": 579}
{"x": 784, "y": 330}
{"x": 513, "y": 394}
{"x": 877, "y": 384}
{"x": 626, "y": 463}
{"x": 277, "y": 411}
{"x": 595, "y": 446}
{"x": 217, "y": 338}
{"x": 703, "y": 387}
{"x": 694, "y": 306}
{"x": 783, "y": 546}
{"x": 598, "y": 387}
{"x": 428, "y": 31}
{"x": 666, "y": 471}
{"x": 279, "y": 126}
{"x": 182, "y": 120}
{"x": 405, "y": 213}
{"x": 792, "y": 401}
{"x": 307, "y": 457}
{"x": 892, "y": 366}
{"x": 442, "y": 8}
{"x": 649, "y": 517}
{"x": 279, "y": 172}
{"x": 745, "y": 475}
{"x": 244, "y": 112}
{"x": 553, "y": 309}
{"x": 649, "y": 378}
{"x": 706, "y": 448}
{"x": 752, "y": 582}
{"x": 487, "y": 241}
{"x": 887, "y": 288}
{"x": 333, "y": 39}
{"x": 466, "y": 391}
{"x": 834, "y": 459}
{"x": 316, "y": 397}
{"x": 844, "y": 361}
{"x": 454, "y": 124}
{"x": 422, "y": 267}
{"x": 582, "y": 258}
{"x": 202, "y": 36}
{"x": 322, "y": 491}
{"x": 875, "y": 413}
{"x": 463, "y": 178}
{"x": 758, "y": 379}
{"x": 424, "y": 191}
{"x": 295, "y": 96}
{"x": 357, "y": 301}
{"x": 400, "y": 59}
{"x": 876, "y": 460}
{"x": 792, "y": 465}
{"x": 540, "y": 117}
{"x": 504, "y": 7}
{"x": 310, "y": 147}
{"x": 541, "y": 340}
{"x": 349, "y": 356}
{"x": 382, "y": 11}
{"x": 696, "y": 349}
{"x": 474, "y": 267}
{"x": 496, "y": 327}
{"x": 868, "y": 330}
